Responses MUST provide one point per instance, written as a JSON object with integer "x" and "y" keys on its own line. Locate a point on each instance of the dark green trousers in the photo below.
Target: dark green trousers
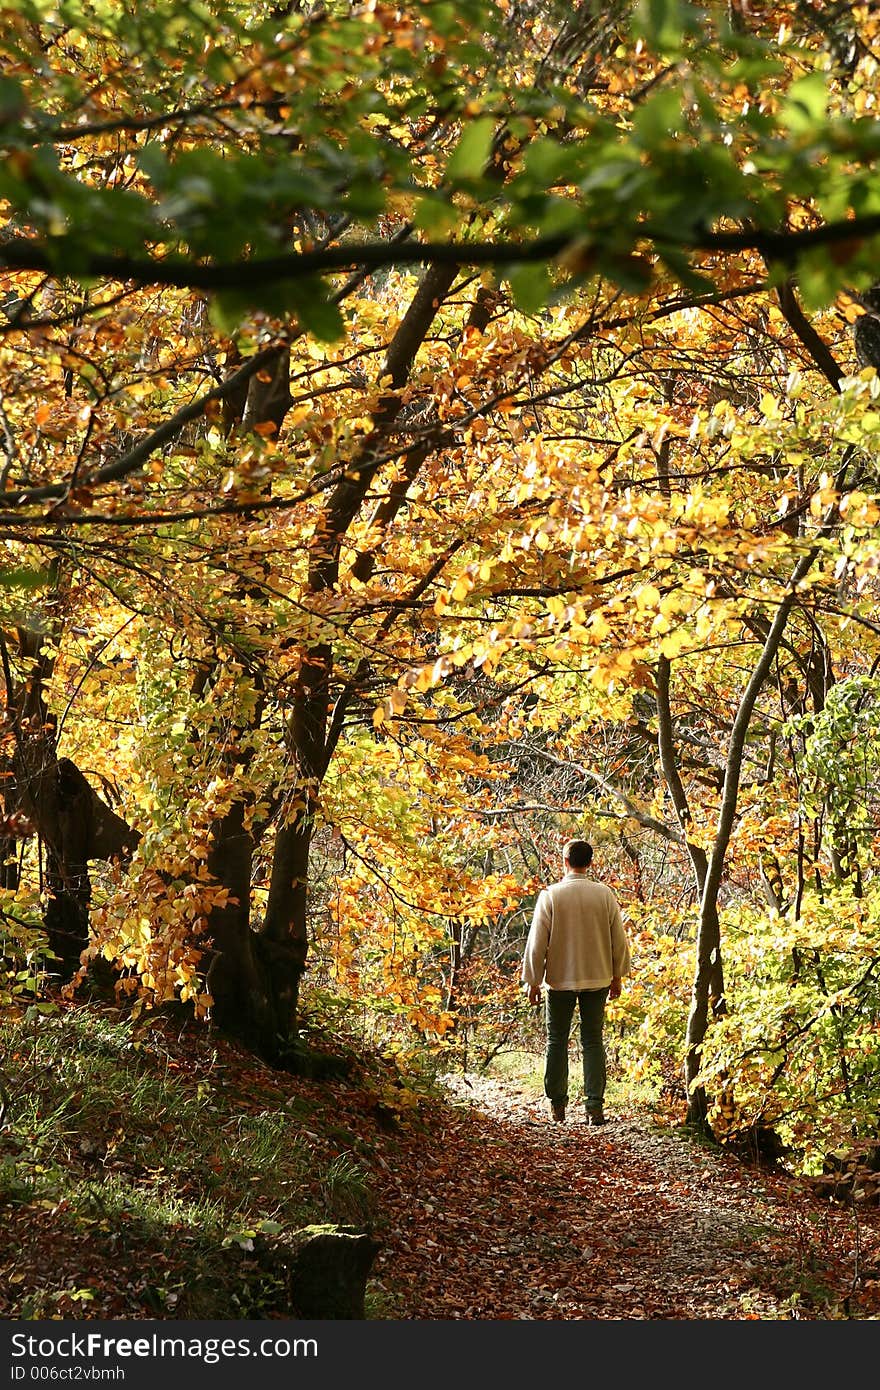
{"x": 560, "y": 1011}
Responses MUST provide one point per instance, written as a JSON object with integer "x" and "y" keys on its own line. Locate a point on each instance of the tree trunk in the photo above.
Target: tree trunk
{"x": 238, "y": 986}
{"x": 311, "y": 731}
{"x": 708, "y": 929}
{"x": 75, "y": 826}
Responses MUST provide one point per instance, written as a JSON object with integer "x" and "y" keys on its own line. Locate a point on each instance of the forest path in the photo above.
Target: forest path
{"x": 496, "y": 1212}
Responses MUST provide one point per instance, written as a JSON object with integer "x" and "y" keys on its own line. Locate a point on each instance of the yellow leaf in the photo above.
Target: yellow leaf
{"x": 673, "y": 644}
{"x": 648, "y": 596}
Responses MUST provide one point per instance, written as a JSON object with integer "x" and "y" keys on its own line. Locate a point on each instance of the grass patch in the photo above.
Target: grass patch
{"x": 525, "y": 1069}
{"x": 91, "y": 1099}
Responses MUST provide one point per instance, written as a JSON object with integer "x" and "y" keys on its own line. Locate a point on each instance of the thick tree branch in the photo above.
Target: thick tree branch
{"x": 669, "y": 765}
{"x": 643, "y": 818}
{"x": 748, "y": 699}
{"x": 30, "y": 254}
{"x": 804, "y": 330}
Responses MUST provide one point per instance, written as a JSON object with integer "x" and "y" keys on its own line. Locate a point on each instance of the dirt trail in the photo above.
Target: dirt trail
{"x": 496, "y": 1212}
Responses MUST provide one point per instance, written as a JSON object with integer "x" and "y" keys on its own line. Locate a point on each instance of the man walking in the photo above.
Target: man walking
{"x": 577, "y": 946}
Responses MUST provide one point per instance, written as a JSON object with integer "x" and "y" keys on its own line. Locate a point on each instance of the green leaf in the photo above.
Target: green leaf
{"x": 365, "y": 198}
{"x": 468, "y": 159}
{"x": 806, "y": 105}
{"x": 23, "y": 577}
{"x": 530, "y": 286}
{"x": 227, "y": 311}
{"x": 547, "y": 162}
{"x": 12, "y": 100}
{"x": 819, "y": 279}
{"x": 307, "y": 298}
{"x": 665, "y": 23}
{"x": 631, "y": 273}
{"x": 660, "y": 118}
{"x": 315, "y": 311}
{"x": 445, "y": 18}
{"x": 436, "y": 216}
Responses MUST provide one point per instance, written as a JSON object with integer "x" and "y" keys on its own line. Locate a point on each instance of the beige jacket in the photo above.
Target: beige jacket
{"x": 577, "y": 939}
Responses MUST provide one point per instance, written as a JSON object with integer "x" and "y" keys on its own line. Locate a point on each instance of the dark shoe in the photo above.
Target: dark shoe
{"x": 595, "y": 1115}
{"x": 558, "y": 1109}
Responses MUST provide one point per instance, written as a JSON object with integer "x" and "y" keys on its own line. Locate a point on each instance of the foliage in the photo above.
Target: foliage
{"x": 428, "y": 432}
{"x": 354, "y": 112}
{"x": 798, "y": 1047}
{"x": 25, "y": 958}
{"x": 646, "y": 1026}
{"x": 841, "y": 758}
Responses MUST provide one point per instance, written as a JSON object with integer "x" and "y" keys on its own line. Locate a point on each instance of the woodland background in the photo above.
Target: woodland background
{"x": 428, "y": 432}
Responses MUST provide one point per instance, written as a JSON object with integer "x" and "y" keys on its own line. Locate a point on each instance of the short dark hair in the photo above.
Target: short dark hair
{"x": 578, "y": 853}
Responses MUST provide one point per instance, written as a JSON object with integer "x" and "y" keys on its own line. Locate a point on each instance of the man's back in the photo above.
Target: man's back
{"x": 577, "y": 939}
